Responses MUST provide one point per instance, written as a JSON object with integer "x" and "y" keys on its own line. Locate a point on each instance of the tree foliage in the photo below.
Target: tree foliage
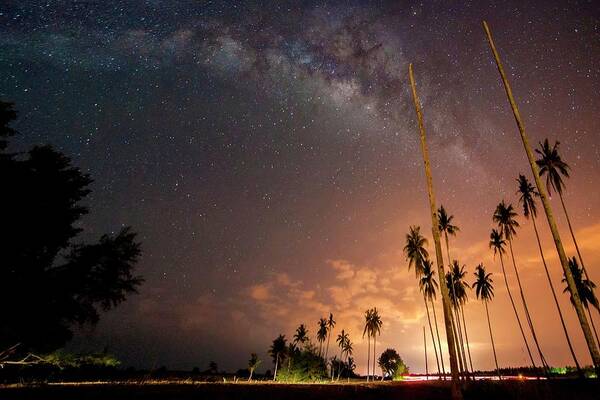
{"x": 50, "y": 280}
{"x": 392, "y": 365}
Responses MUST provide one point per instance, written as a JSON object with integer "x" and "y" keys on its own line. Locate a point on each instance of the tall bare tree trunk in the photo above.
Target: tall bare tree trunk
{"x": 437, "y": 333}
{"x": 374, "y": 343}
{"x": 462, "y": 312}
{"x": 562, "y": 320}
{"x": 492, "y": 339}
{"x": 462, "y": 344}
{"x": 425, "y": 345}
{"x": 456, "y": 393}
{"x": 527, "y": 315}
{"x": 592, "y": 322}
{"x": 516, "y": 313}
{"x": 276, "y": 364}
{"x": 432, "y": 337}
{"x": 585, "y": 327}
{"x": 368, "y": 354}
{"x": 461, "y": 367}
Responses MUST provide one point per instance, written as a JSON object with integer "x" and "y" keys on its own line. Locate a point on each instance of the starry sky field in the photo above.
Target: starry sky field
{"x": 267, "y": 154}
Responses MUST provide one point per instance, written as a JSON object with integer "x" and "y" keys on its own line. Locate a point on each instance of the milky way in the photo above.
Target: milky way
{"x": 267, "y": 154}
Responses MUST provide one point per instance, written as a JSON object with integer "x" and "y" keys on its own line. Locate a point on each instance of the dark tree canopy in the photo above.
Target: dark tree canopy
{"x": 49, "y": 281}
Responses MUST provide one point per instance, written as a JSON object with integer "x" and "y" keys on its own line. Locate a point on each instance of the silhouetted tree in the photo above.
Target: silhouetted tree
{"x": 253, "y": 363}
{"x": 49, "y": 281}
{"x": 484, "y": 290}
{"x": 321, "y": 334}
{"x": 391, "y": 364}
{"x": 301, "y": 335}
{"x": 585, "y": 288}
{"x": 277, "y": 352}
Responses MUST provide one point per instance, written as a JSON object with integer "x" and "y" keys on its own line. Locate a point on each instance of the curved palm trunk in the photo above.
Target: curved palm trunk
{"x": 527, "y": 315}
{"x": 437, "y": 333}
{"x": 516, "y": 313}
{"x": 592, "y": 322}
{"x": 276, "y": 364}
{"x": 564, "y": 262}
{"x": 462, "y": 311}
{"x": 492, "y": 339}
{"x": 432, "y": 337}
{"x": 368, "y": 354}
{"x": 562, "y": 320}
{"x": 327, "y": 348}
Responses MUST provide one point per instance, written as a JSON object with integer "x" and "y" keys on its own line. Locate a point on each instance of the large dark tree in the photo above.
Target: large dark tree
{"x": 49, "y": 281}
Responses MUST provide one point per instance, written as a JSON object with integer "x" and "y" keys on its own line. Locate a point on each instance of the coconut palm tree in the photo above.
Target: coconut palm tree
{"x": 484, "y": 290}
{"x": 367, "y": 331}
{"x": 428, "y": 286}
{"x": 415, "y": 250}
{"x": 376, "y": 324}
{"x": 253, "y": 363}
{"x": 301, "y": 335}
{"x": 321, "y": 334}
{"x": 552, "y": 165}
{"x": 449, "y": 229}
{"x": 277, "y": 351}
{"x": 527, "y": 198}
{"x": 330, "y": 326}
{"x": 459, "y": 275}
{"x": 505, "y": 217}
{"x": 454, "y": 292}
{"x": 585, "y": 288}
{"x": 348, "y": 350}
{"x": 498, "y": 244}
{"x": 341, "y": 340}
{"x": 560, "y": 250}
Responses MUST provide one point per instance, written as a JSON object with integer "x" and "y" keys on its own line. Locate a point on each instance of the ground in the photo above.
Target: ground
{"x": 488, "y": 390}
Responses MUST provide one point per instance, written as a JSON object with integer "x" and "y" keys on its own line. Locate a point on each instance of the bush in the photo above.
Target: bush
{"x": 303, "y": 366}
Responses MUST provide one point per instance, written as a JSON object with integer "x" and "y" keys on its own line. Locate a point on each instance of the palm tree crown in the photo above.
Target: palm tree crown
{"x": 484, "y": 289}
{"x": 427, "y": 282}
{"x": 342, "y": 339}
{"x": 322, "y": 331}
{"x": 585, "y": 287}
{"x": 527, "y": 197}
{"x": 504, "y": 216}
{"x": 552, "y": 166}
{"x": 456, "y": 284}
{"x": 445, "y": 222}
{"x": 301, "y": 335}
{"x": 415, "y": 250}
{"x": 497, "y": 243}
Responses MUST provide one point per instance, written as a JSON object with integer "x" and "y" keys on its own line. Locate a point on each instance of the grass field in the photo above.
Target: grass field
{"x": 488, "y": 390}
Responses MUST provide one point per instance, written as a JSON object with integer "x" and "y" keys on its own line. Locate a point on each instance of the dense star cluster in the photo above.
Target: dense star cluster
{"x": 267, "y": 153}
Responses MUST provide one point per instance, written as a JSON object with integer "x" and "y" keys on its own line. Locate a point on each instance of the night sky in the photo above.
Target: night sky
{"x": 267, "y": 153}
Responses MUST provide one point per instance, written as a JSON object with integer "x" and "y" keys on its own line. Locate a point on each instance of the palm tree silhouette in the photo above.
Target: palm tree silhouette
{"x": 253, "y": 363}
{"x": 330, "y": 326}
{"x": 498, "y": 244}
{"x": 348, "y": 349}
{"x": 341, "y": 340}
{"x": 527, "y": 195}
{"x": 585, "y": 289}
{"x": 277, "y": 350}
{"x": 449, "y": 229}
{"x": 321, "y": 334}
{"x": 375, "y": 330}
{"x": 301, "y": 335}
{"x": 459, "y": 275}
{"x": 552, "y": 165}
{"x": 505, "y": 216}
{"x": 428, "y": 286}
{"x": 454, "y": 292}
{"x": 415, "y": 250}
{"x": 367, "y": 331}
{"x": 484, "y": 290}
